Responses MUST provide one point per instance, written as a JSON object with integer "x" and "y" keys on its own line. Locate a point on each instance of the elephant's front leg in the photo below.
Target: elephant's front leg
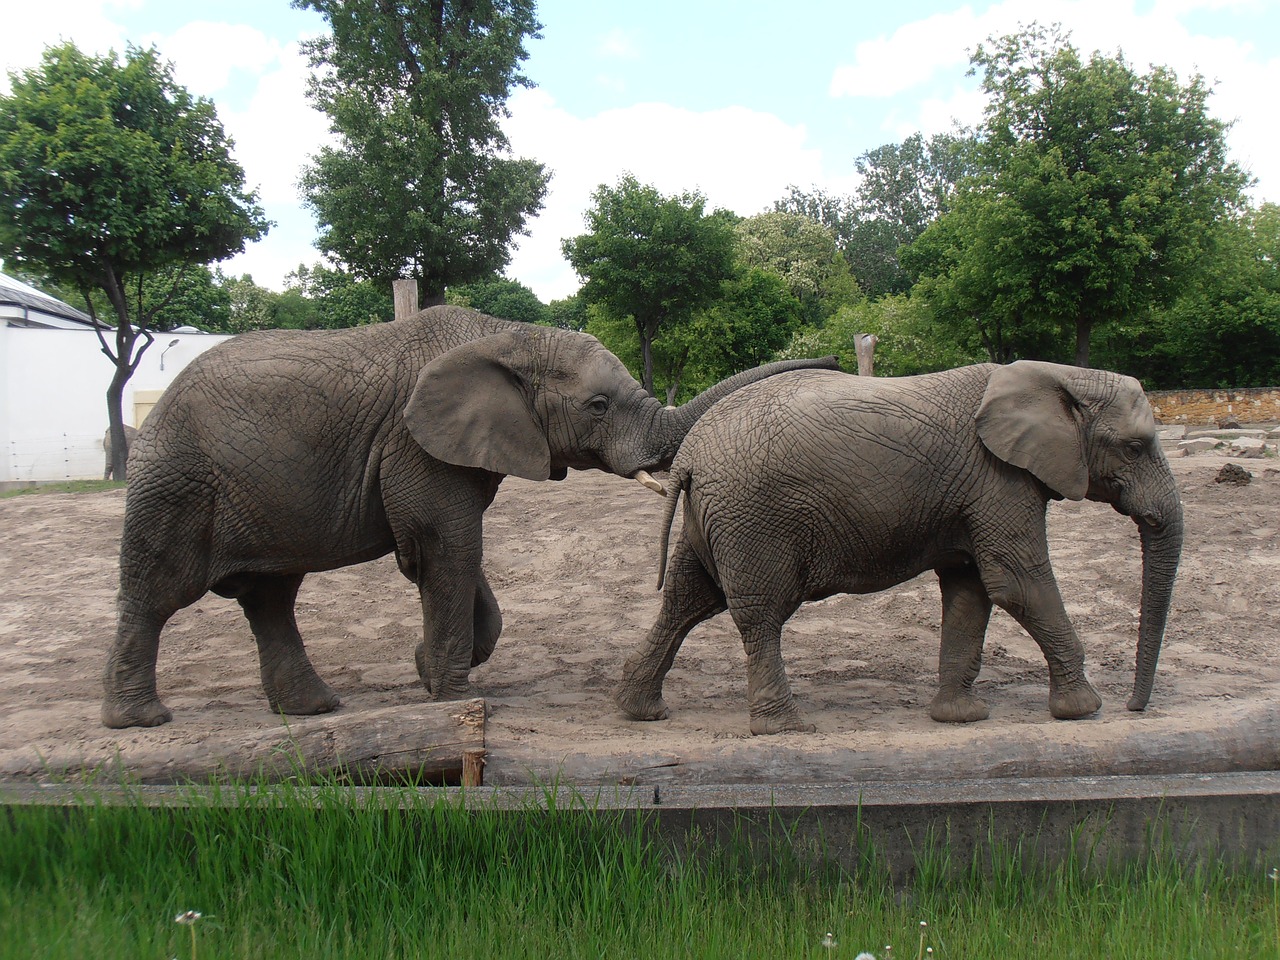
{"x": 966, "y": 611}
{"x": 1032, "y": 598}
{"x": 447, "y": 578}
{"x": 689, "y": 597}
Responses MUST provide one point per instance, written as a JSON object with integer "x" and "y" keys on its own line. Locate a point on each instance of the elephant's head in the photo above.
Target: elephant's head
{"x": 536, "y": 401}
{"x": 1090, "y": 433}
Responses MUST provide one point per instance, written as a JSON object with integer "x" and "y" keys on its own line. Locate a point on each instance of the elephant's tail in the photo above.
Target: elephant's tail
{"x": 677, "y": 482}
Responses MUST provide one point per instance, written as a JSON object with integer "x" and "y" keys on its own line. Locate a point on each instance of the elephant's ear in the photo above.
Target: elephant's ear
{"x": 472, "y": 406}
{"x": 1030, "y": 418}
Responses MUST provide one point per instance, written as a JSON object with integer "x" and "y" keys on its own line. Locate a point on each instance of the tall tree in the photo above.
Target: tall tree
{"x": 111, "y": 173}
{"x": 1096, "y": 189}
{"x": 653, "y": 258}
{"x": 421, "y": 183}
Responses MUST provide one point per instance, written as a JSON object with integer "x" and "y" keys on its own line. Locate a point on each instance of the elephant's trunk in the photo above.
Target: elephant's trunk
{"x": 671, "y": 425}
{"x": 1161, "y": 550}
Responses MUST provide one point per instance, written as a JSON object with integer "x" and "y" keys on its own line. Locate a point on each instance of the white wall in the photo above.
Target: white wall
{"x": 53, "y": 399}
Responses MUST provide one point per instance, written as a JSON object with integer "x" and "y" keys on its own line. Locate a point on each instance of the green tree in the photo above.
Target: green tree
{"x": 571, "y": 313}
{"x": 421, "y": 183}
{"x": 1095, "y": 192}
{"x": 904, "y": 188}
{"x": 803, "y": 254}
{"x": 249, "y": 306}
{"x": 111, "y": 173}
{"x": 500, "y": 297}
{"x": 653, "y": 258}
{"x": 1224, "y": 329}
{"x": 337, "y": 298}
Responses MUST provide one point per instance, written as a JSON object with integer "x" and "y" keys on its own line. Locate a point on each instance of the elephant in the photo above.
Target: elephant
{"x": 280, "y": 453}
{"x": 130, "y": 434}
{"x": 815, "y": 483}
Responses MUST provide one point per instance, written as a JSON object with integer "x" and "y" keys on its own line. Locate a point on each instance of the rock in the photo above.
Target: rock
{"x": 1249, "y": 447}
{"x": 1273, "y": 433}
{"x": 1228, "y": 423}
{"x": 1198, "y": 445}
{"x": 1233, "y": 474}
{"x": 1176, "y": 432}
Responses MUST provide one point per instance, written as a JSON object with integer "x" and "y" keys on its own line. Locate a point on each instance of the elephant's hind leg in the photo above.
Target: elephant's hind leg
{"x": 290, "y": 681}
{"x": 966, "y": 611}
{"x": 772, "y": 705}
{"x": 488, "y": 623}
{"x": 129, "y": 683}
{"x": 689, "y": 597}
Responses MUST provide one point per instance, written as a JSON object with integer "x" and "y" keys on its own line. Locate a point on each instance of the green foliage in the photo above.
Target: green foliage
{"x": 419, "y": 184}
{"x": 500, "y": 297}
{"x": 336, "y": 299}
{"x": 571, "y": 313}
{"x": 911, "y": 340}
{"x": 1095, "y": 191}
{"x": 1224, "y": 330}
{"x": 110, "y": 171}
{"x": 903, "y": 188}
{"x": 652, "y": 258}
{"x": 801, "y": 252}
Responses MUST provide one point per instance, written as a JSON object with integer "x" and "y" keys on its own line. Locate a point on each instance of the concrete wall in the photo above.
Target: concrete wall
{"x": 53, "y": 398}
{"x": 1211, "y": 407}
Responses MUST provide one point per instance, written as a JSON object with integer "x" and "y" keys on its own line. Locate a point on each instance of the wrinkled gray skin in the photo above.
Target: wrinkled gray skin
{"x": 284, "y": 452}
{"x": 815, "y": 483}
{"x": 130, "y": 434}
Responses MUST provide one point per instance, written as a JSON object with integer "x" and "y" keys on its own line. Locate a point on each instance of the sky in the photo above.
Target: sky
{"x": 735, "y": 99}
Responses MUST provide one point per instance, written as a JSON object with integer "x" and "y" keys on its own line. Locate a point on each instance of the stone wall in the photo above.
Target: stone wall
{"x": 1211, "y": 407}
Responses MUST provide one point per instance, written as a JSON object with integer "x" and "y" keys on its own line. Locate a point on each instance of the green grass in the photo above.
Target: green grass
{"x": 413, "y": 875}
{"x": 68, "y": 486}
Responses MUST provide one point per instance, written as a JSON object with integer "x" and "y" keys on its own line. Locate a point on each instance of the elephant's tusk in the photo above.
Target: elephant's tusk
{"x": 646, "y": 479}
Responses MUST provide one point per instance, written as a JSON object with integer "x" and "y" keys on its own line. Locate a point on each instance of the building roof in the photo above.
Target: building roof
{"x": 22, "y": 305}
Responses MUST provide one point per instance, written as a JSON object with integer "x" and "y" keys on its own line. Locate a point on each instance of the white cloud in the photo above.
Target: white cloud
{"x": 30, "y": 27}
{"x": 204, "y": 54}
{"x": 739, "y": 159}
{"x": 618, "y": 45}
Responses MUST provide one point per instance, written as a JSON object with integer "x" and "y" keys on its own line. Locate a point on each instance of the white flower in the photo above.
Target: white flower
{"x": 865, "y": 956}
{"x": 829, "y": 942}
{"x": 189, "y": 918}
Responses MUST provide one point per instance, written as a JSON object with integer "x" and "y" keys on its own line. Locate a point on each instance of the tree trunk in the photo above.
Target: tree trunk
{"x": 1083, "y": 329}
{"x": 646, "y": 350}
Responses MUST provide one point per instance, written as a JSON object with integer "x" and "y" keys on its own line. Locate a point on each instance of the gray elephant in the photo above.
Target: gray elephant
{"x": 816, "y": 483}
{"x": 130, "y": 434}
{"x": 285, "y": 452}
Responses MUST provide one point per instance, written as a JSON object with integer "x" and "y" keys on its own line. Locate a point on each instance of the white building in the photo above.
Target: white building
{"x": 53, "y": 385}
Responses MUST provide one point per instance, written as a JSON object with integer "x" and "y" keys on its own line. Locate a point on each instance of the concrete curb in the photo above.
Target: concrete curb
{"x": 1231, "y": 818}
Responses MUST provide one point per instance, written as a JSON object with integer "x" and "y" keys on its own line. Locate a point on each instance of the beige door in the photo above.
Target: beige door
{"x": 143, "y": 401}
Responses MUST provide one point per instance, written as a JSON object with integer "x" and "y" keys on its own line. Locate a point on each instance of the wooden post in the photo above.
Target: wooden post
{"x": 473, "y": 767}
{"x": 405, "y": 293}
{"x": 865, "y": 345}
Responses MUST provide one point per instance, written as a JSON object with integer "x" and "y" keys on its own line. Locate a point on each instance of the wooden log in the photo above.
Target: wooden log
{"x": 473, "y": 768}
{"x": 404, "y": 298}
{"x": 421, "y": 743}
{"x": 864, "y": 344}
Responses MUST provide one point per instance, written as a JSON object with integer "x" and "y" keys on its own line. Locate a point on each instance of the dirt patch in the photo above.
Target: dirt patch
{"x": 574, "y": 564}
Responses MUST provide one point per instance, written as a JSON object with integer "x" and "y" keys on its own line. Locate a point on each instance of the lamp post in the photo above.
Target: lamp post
{"x": 172, "y": 343}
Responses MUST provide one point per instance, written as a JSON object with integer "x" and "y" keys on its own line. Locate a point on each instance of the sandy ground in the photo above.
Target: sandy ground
{"x": 574, "y": 564}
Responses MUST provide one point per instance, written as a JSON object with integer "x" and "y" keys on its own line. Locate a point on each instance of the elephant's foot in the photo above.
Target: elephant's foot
{"x": 1074, "y": 703}
{"x": 451, "y": 691}
{"x": 640, "y": 704}
{"x": 302, "y": 699}
{"x": 118, "y": 713}
{"x": 781, "y": 717}
{"x": 958, "y": 708}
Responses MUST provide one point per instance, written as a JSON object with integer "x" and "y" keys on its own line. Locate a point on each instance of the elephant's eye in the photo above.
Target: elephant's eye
{"x": 1134, "y": 448}
{"x": 598, "y": 406}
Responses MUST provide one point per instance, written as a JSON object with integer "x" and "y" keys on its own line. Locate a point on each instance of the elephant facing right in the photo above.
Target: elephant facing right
{"x": 816, "y": 482}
